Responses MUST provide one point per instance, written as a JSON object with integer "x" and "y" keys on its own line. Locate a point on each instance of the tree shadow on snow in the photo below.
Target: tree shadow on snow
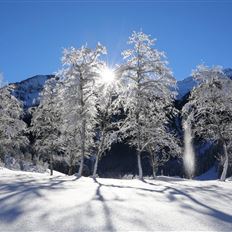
{"x": 19, "y": 193}
{"x": 107, "y": 204}
{"x": 172, "y": 194}
{"x": 99, "y": 196}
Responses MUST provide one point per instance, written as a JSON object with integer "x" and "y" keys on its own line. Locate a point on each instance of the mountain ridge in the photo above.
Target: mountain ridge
{"x": 186, "y": 85}
{"x": 28, "y": 90}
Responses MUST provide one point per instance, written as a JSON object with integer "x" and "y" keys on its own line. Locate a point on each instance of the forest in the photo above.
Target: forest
{"x": 123, "y": 121}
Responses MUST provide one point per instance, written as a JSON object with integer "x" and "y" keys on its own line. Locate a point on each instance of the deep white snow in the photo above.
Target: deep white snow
{"x": 38, "y": 202}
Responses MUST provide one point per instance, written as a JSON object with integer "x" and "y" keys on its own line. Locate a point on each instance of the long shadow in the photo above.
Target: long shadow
{"x": 19, "y": 192}
{"x": 213, "y": 212}
{"x": 212, "y": 189}
{"x": 99, "y": 196}
{"x": 107, "y": 213}
{"x": 135, "y": 188}
{"x": 172, "y": 191}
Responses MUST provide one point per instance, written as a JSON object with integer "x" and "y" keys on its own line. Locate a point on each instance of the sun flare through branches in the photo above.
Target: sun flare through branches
{"x": 107, "y": 75}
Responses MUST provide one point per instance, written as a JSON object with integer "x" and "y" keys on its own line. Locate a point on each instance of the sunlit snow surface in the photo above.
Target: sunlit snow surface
{"x": 38, "y": 202}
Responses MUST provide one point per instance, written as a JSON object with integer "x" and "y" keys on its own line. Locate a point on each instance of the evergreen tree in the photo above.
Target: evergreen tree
{"x": 12, "y": 127}
{"x": 46, "y": 122}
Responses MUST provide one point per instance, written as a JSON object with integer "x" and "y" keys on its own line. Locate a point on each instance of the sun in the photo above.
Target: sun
{"x": 107, "y": 75}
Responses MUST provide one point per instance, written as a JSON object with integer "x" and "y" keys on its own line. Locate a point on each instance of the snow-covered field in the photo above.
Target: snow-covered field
{"x": 38, "y": 202}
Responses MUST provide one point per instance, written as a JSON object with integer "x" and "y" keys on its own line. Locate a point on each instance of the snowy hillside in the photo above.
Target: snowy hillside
{"x": 38, "y": 202}
{"x": 28, "y": 90}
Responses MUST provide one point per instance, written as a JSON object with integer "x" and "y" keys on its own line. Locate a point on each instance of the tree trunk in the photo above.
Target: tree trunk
{"x": 154, "y": 172}
{"x": 83, "y": 128}
{"x": 82, "y": 151}
{"x": 95, "y": 167}
{"x": 140, "y": 165}
{"x": 152, "y": 162}
{"x": 81, "y": 166}
{"x": 99, "y": 153}
{"x": 70, "y": 170}
{"x": 226, "y": 163}
{"x": 51, "y": 164}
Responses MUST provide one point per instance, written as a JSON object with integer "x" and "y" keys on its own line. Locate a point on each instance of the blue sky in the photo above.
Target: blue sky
{"x": 33, "y": 33}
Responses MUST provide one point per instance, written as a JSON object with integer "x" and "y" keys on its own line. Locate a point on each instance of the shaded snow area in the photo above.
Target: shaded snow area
{"x": 38, "y": 202}
{"x": 211, "y": 174}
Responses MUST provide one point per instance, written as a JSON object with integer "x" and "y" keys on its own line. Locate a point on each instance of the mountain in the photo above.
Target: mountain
{"x": 28, "y": 90}
{"x": 186, "y": 85}
{"x": 228, "y": 72}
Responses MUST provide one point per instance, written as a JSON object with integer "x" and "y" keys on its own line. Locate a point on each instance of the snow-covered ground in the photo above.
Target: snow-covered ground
{"x": 38, "y": 202}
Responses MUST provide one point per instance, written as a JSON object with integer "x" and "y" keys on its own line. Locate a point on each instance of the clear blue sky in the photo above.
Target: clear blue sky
{"x": 33, "y": 33}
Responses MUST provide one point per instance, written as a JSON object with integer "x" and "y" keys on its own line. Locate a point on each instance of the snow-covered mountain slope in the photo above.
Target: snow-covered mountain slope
{"x": 228, "y": 72}
{"x": 38, "y": 202}
{"x": 28, "y": 90}
{"x": 186, "y": 85}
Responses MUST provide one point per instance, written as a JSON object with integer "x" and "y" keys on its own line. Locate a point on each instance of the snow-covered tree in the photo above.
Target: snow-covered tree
{"x": 162, "y": 143}
{"x": 108, "y": 88}
{"x": 70, "y": 147}
{"x": 147, "y": 78}
{"x": 210, "y": 109}
{"x": 12, "y": 127}
{"x": 80, "y": 68}
{"x": 70, "y": 127}
{"x": 46, "y": 122}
